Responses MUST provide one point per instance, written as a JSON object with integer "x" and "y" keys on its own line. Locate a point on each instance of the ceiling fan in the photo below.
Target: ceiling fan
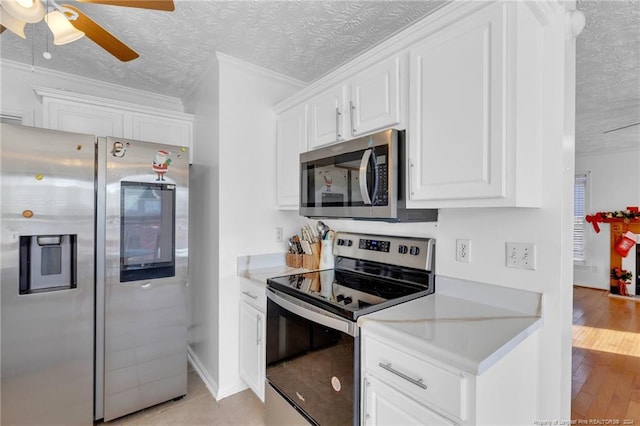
{"x": 68, "y": 23}
{"x": 621, "y": 128}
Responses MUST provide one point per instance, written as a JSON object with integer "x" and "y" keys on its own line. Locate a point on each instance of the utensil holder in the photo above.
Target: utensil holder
{"x": 308, "y": 261}
{"x": 326, "y": 255}
{"x": 293, "y": 260}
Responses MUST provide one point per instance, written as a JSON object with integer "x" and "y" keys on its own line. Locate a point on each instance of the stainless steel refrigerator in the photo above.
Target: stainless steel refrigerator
{"x": 94, "y": 274}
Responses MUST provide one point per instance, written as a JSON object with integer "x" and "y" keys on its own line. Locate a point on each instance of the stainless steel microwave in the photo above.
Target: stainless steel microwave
{"x": 362, "y": 178}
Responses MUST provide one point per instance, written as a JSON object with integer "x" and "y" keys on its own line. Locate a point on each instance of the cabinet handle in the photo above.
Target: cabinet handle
{"x": 411, "y": 178}
{"x": 418, "y": 382}
{"x": 365, "y": 396}
{"x": 338, "y": 114}
{"x": 246, "y": 293}
{"x": 259, "y": 331}
{"x": 352, "y": 111}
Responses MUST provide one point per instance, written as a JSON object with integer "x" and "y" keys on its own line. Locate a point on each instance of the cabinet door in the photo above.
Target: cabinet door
{"x": 384, "y": 405}
{"x": 160, "y": 129}
{"x": 83, "y": 118}
{"x": 457, "y": 140}
{"x": 375, "y": 97}
{"x": 327, "y": 117}
{"x": 291, "y": 141}
{"x": 252, "y": 358}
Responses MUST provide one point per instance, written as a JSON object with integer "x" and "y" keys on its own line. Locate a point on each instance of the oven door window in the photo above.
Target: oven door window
{"x": 147, "y": 230}
{"x": 312, "y": 365}
{"x": 338, "y": 181}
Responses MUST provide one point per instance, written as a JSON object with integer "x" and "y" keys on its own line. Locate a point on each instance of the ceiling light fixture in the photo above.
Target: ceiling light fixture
{"x": 30, "y": 11}
{"x": 63, "y": 31}
{"x": 19, "y": 12}
{"x": 14, "y": 25}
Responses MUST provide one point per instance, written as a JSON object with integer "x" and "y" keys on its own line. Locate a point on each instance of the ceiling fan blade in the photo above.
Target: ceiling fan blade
{"x": 102, "y": 37}
{"x": 142, "y": 4}
{"x": 621, "y": 128}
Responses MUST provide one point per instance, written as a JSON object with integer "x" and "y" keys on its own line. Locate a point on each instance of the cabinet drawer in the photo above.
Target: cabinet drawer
{"x": 428, "y": 383}
{"x": 254, "y": 294}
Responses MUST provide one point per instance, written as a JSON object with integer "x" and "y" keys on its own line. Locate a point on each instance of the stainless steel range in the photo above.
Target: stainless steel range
{"x": 313, "y": 346}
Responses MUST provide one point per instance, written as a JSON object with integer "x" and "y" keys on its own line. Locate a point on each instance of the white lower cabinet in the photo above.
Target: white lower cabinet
{"x": 396, "y": 372}
{"x": 252, "y": 335}
{"x": 401, "y": 385}
{"x": 384, "y": 405}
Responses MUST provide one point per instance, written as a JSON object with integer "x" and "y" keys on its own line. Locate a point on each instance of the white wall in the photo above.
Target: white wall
{"x": 17, "y": 95}
{"x": 235, "y": 158}
{"x": 204, "y": 224}
{"x": 613, "y": 184}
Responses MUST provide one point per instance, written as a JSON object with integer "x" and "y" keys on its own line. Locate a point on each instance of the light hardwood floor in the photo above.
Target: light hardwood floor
{"x": 606, "y": 358}
{"x": 199, "y": 408}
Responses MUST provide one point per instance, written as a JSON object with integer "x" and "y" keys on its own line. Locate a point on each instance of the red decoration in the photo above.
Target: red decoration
{"x": 625, "y": 243}
{"x": 631, "y": 213}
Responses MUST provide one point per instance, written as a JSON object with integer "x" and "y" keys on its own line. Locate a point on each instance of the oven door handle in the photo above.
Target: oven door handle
{"x": 312, "y": 313}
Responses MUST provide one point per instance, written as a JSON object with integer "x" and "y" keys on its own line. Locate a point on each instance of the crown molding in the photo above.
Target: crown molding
{"x": 258, "y": 70}
{"x": 168, "y": 102}
{"x": 68, "y": 95}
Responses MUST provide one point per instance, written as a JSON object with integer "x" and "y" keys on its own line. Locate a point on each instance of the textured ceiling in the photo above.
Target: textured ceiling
{"x": 300, "y": 39}
{"x": 307, "y": 39}
{"x": 608, "y": 76}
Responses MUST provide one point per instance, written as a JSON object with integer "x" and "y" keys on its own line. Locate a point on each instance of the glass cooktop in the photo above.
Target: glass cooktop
{"x": 351, "y": 294}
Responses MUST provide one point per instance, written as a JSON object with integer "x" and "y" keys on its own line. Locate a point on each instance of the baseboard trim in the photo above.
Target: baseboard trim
{"x": 211, "y": 384}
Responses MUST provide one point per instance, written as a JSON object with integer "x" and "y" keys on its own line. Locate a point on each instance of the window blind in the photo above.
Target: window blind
{"x": 579, "y": 206}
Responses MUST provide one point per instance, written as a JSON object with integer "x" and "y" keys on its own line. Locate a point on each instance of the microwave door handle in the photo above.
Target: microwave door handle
{"x": 364, "y": 164}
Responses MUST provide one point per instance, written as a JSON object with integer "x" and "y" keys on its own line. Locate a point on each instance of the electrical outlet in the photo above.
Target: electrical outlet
{"x": 521, "y": 255}
{"x": 279, "y": 232}
{"x": 463, "y": 250}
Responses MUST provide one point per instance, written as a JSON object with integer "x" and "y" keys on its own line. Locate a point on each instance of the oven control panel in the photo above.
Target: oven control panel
{"x": 375, "y": 245}
{"x": 401, "y": 251}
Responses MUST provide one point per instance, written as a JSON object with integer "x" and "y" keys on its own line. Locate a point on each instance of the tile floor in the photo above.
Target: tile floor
{"x": 199, "y": 408}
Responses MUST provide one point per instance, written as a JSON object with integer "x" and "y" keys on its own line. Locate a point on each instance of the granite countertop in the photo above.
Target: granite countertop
{"x": 465, "y": 334}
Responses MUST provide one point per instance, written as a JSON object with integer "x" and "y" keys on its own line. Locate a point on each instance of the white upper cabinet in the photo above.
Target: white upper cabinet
{"x": 291, "y": 140}
{"x": 466, "y": 84}
{"x": 152, "y": 128}
{"x": 72, "y": 117}
{"x": 375, "y": 97}
{"x": 327, "y": 117}
{"x": 75, "y": 112}
{"x": 467, "y": 103}
{"x": 368, "y": 101}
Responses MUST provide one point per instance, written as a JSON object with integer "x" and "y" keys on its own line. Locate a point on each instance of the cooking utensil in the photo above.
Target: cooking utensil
{"x": 312, "y": 236}
{"x": 296, "y": 240}
{"x": 306, "y": 247}
{"x": 323, "y": 229}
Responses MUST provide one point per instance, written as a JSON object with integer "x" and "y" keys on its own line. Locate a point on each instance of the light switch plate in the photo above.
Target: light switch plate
{"x": 521, "y": 255}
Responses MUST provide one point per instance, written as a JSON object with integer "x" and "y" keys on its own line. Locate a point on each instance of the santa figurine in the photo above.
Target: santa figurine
{"x": 161, "y": 164}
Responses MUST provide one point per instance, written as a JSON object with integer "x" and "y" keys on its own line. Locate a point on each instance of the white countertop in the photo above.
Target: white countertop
{"x": 465, "y": 324}
{"x": 465, "y": 334}
{"x": 260, "y": 267}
